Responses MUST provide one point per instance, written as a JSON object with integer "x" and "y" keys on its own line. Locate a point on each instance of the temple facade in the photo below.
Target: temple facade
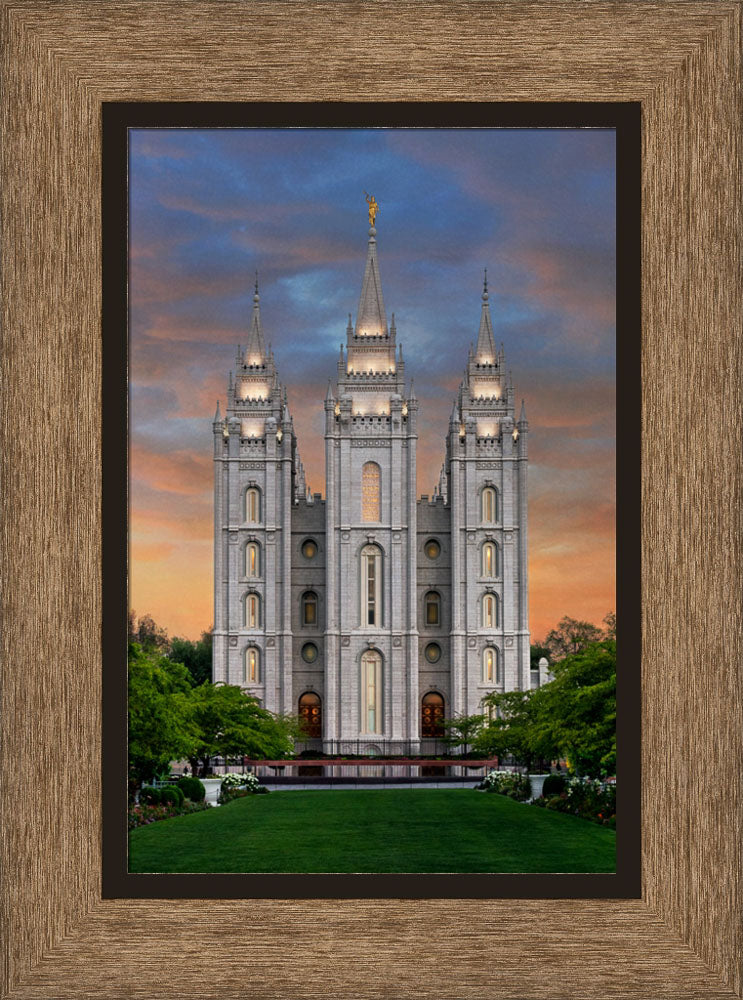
{"x": 372, "y": 613}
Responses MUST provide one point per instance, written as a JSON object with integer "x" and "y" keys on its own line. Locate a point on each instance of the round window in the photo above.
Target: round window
{"x": 433, "y": 549}
{"x": 433, "y": 652}
{"x": 309, "y": 652}
{"x": 309, "y": 549}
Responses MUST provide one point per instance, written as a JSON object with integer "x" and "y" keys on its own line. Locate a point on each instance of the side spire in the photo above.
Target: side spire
{"x": 485, "y": 350}
{"x": 371, "y": 319}
{"x": 255, "y": 352}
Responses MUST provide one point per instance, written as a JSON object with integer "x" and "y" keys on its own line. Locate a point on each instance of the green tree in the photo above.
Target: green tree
{"x": 147, "y": 633}
{"x": 536, "y": 651}
{"x": 231, "y": 723}
{"x": 570, "y": 636}
{"x": 515, "y": 728}
{"x": 159, "y": 710}
{"x": 610, "y": 623}
{"x": 461, "y": 730}
{"x": 196, "y": 657}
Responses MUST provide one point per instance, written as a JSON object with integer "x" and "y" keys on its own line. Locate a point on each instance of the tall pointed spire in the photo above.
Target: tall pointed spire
{"x": 485, "y": 351}
{"x": 371, "y": 319}
{"x": 255, "y": 352}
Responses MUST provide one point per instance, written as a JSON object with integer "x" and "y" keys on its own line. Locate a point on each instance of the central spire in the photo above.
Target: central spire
{"x": 255, "y": 353}
{"x": 371, "y": 319}
{"x": 485, "y": 351}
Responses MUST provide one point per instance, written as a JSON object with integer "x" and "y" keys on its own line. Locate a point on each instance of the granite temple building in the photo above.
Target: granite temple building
{"x": 372, "y": 613}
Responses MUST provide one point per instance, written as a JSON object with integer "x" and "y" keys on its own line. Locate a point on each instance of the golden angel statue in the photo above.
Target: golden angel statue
{"x": 373, "y": 208}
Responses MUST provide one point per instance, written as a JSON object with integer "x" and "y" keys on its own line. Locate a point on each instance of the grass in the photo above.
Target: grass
{"x": 390, "y": 830}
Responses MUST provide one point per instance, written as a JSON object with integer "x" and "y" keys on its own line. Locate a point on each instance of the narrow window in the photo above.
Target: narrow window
{"x": 371, "y": 585}
{"x": 433, "y": 608}
{"x": 490, "y": 561}
{"x": 490, "y": 666}
{"x": 489, "y": 505}
{"x": 252, "y": 611}
{"x": 490, "y": 611}
{"x": 252, "y": 665}
{"x": 371, "y": 500}
{"x": 252, "y": 505}
{"x": 371, "y": 692}
{"x": 309, "y": 608}
{"x": 252, "y": 560}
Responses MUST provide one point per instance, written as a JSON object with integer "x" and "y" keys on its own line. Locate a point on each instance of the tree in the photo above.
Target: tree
{"x": 536, "y": 652}
{"x": 231, "y": 723}
{"x": 515, "y": 728}
{"x": 196, "y": 657}
{"x": 462, "y": 729}
{"x": 147, "y": 633}
{"x": 610, "y": 621}
{"x": 570, "y": 636}
{"x": 159, "y": 709}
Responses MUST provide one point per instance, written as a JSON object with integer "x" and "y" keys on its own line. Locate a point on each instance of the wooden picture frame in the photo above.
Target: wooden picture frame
{"x": 681, "y": 60}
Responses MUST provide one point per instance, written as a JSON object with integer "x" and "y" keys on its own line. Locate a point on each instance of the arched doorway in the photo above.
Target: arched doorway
{"x": 432, "y": 715}
{"x": 310, "y": 714}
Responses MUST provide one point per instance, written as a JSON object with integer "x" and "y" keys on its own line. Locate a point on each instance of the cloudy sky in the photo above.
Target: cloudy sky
{"x": 209, "y": 207}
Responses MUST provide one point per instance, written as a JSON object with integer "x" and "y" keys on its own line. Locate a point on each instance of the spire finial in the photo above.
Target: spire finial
{"x": 255, "y": 294}
{"x": 485, "y": 287}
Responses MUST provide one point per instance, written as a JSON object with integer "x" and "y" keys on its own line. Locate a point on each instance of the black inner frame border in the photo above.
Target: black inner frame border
{"x": 117, "y": 119}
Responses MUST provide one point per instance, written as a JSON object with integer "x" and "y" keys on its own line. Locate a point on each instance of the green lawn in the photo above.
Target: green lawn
{"x": 390, "y": 830}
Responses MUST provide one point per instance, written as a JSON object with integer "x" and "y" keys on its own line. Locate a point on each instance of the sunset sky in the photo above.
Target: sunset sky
{"x": 210, "y": 207}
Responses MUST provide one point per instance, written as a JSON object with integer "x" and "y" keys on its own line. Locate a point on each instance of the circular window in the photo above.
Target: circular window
{"x": 433, "y": 652}
{"x": 309, "y": 652}
{"x": 432, "y": 549}
{"x": 309, "y": 549}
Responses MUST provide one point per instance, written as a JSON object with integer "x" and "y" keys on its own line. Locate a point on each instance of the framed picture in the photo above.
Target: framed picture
{"x": 683, "y": 936}
{"x": 223, "y": 519}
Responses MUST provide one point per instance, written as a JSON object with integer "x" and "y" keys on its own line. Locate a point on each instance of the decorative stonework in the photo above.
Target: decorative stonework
{"x": 509, "y": 640}
{"x": 486, "y": 465}
{"x": 244, "y": 466}
{"x": 345, "y": 536}
{"x": 370, "y": 443}
{"x": 397, "y": 641}
{"x": 270, "y": 642}
{"x": 396, "y": 536}
{"x": 233, "y": 640}
{"x": 346, "y": 640}
{"x": 472, "y": 643}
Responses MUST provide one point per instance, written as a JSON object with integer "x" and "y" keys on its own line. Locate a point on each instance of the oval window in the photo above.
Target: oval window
{"x": 433, "y": 652}
{"x": 433, "y": 549}
{"x": 309, "y": 652}
{"x": 309, "y": 549}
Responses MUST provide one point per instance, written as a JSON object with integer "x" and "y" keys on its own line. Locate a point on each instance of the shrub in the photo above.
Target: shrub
{"x": 553, "y": 785}
{"x": 141, "y": 815}
{"x": 515, "y": 786}
{"x": 235, "y": 786}
{"x": 179, "y": 792}
{"x": 192, "y": 788}
{"x": 171, "y": 794}
{"x": 150, "y": 796}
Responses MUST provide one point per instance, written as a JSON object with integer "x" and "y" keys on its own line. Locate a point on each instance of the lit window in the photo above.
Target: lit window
{"x": 252, "y": 505}
{"x": 371, "y": 501}
{"x": 433, "y": 549}
{"x": 309, "y": 549}
{"x": 490, "y": 666}
{"x": 309, "y": 608}
{"x": 490, "y": 611}
{"x": 489, "y": 505}
{"x": 252, "y": 559}
{"x": 433, "y": 608}
{"x": 371, "y": 692}
{"x": 490, "y": 566}
{"x": 252, "y": 611}
{"x": 252, "y": 665}
{"x": 371, "y": 585}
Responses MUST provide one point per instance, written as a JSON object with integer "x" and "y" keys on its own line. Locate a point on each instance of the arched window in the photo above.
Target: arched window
{"x": 490, "y": 611}
{"x": 310, "y": 715}
{"x": 371, "y": 692}
{"x": 371, "y": 585}
{"x": 490, "y": 665}
{"x": 432, "y": 716}
{"x": 309, "y": 608}
{"x": 253, "y": 505}
{"x": 371, "y": 498}
{"x": 433, "y": 608}
{"x": 490, "y": 560}
{"x": 489, "y": 511}
{"x": 252, "y": 559}
{"x": 252, "y": 611}
{"x": 252, "y": 665}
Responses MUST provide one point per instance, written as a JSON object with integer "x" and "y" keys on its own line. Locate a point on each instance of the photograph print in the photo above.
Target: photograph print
{"x": 372, "y": 500}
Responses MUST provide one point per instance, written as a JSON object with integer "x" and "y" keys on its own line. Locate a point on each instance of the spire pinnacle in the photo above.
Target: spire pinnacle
{"x": 255, "y": 352}
{"x": 218, "y": 414}
{"x": 485, "y": 351}
{"x": 371, "y": 319}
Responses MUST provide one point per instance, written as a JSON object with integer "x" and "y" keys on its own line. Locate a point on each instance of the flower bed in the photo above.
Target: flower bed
{"x": 236, "y": 786}
{"x": 588, "y": 798}
{"x": 141, "y": 815}
{"x": 514, "y": 785}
